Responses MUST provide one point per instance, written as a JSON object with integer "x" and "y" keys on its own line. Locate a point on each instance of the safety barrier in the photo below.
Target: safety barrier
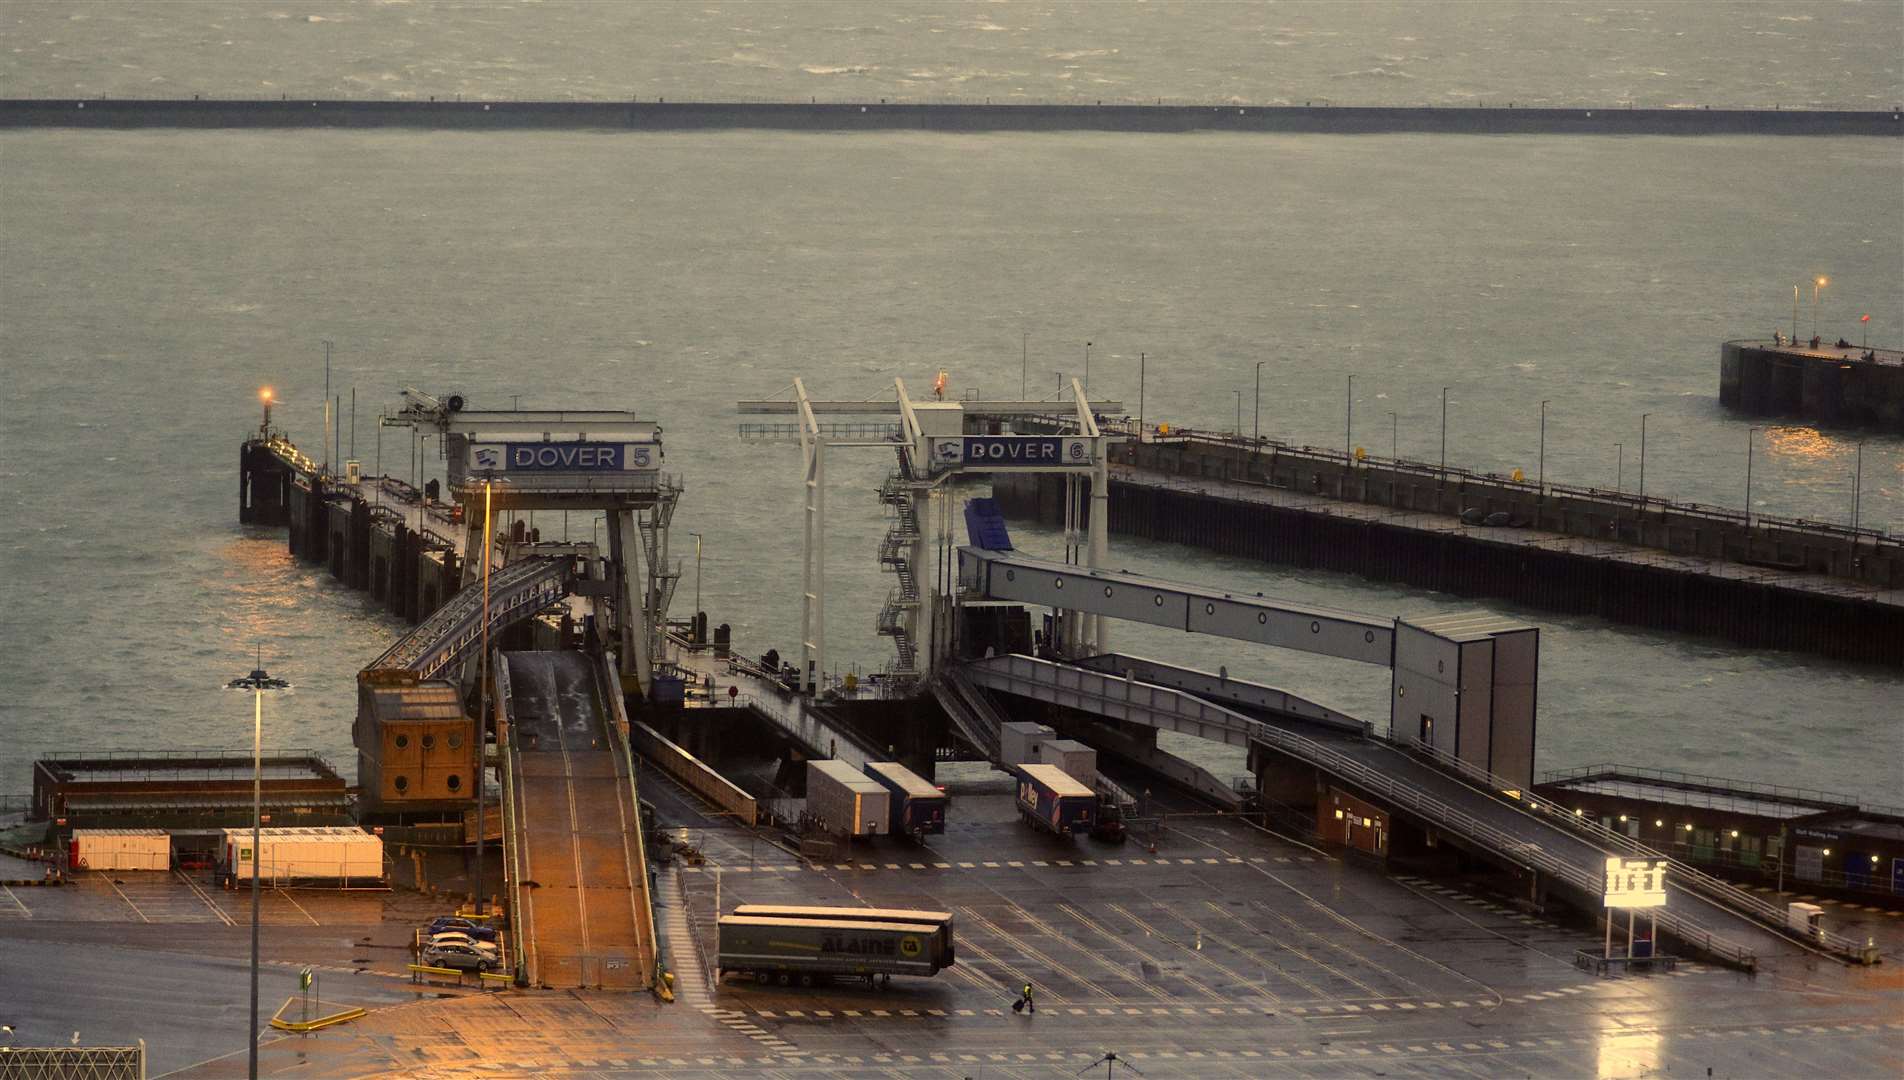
{"x": 609, "y": 686}
{"x": 694, "y": 774}
{"x": 1142, "y": 703}
{"x": 342, "y": 1016}
{"x": 521, "y": 939}
{"x": 1683, "y": 874}
{"x": 516, "y": 592}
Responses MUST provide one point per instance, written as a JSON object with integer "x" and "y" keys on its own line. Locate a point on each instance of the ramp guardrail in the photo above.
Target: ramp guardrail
{"x": 1142, "y": 703}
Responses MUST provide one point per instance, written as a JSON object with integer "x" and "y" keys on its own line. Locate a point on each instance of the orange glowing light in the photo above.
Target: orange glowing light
{"x": 264, "y": 394}
{"x": 938, "y": 385}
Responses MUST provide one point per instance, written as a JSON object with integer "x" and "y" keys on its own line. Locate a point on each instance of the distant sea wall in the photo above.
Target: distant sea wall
{"x": 662, "y": 115}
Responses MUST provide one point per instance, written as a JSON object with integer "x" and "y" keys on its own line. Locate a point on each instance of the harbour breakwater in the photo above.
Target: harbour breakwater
{"x": 664, "y": 115}
{"x": 378, "y": 534}
{"x": 1760, "y": 583}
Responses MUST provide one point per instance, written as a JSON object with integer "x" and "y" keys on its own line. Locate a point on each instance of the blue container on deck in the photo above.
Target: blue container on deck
{"x": 918, "y": 807}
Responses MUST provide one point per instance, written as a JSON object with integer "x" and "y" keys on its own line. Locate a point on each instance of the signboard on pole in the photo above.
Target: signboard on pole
{"x": 1013, "y": 452}
{"x": 1635, "y": 883}
{"x": 561, "y": 457}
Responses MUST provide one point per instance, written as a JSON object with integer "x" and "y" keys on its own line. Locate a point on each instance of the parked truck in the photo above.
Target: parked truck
{"x": 918, "y": 807}
{"x": 803, "y": 950}
{"x": 1052, "y": 800}
{"x": 844, "y": 802}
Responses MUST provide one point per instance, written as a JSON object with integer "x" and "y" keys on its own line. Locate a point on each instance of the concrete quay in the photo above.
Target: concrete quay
{"x": 1832, "y": 384}
{"x": 1227, "y": 952}
{"x": 1767, "y": 583}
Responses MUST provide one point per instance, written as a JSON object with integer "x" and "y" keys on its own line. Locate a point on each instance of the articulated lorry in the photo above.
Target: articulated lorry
{"x": 918, "y": 807}
{"x": 805, "y": 944}
{"x": 1052, "y": 800}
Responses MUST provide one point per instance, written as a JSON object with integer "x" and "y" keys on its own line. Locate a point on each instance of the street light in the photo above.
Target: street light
{"x": 697, "y": 572}
{"x": 1394, "y": 438}
{"x": 482, "y": 695}
{"x": 1444, "y": 434}
{"x": 1141, "y": 357}
{"x": 1348, "y": 425}
{"x": 1087, "y": 369}
{"x": 257, "y": 682}
{"x": 1619, "y": 467}
{"x": 1239, "y": 413}
{"x": 1643, "y": 417}
{"x": 1257, "y": 426}
{"x": 1541, "y": 476}
{"x": 1060, "y": 376}
{"x": 1751, "y": 434}
{"x": 1024, "y": 371}
{"x": 1857, "y": 489}
{"x": 1817, "y": 283}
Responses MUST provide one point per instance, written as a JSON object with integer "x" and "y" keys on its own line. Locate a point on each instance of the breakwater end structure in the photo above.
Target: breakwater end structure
{"x": 1830, "y": 383}
{"x": 880, "y": 115}
{"x": 1755, "y": 580}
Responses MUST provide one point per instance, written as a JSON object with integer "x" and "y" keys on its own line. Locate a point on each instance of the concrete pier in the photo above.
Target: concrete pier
{"x": 1260, "y": 510}
{"x": 377, "y": 534}
{"x": 1832, "y": 384}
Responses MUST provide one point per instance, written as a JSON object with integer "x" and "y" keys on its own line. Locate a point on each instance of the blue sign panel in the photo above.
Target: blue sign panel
{"x": 1023, "y": 450}
{"x": 564, "y": 457}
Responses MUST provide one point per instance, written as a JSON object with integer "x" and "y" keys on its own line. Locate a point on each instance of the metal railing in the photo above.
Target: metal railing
{"x": 521, "y": 935}
{"x": 647, "y": 945}
{"x": 1021, "y": 674}
{"x": 1684, "y": 874}
{"x": 516, "y": 592}
{"x": 1693, "y": 784}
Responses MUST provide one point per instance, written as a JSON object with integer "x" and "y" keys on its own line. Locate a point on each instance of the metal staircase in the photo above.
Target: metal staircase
{"x": 898, "y": 617}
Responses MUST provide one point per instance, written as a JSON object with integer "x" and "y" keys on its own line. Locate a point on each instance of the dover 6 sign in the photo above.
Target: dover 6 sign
{"x": 1011, "y": 452}
{"x": 565, "y": 457}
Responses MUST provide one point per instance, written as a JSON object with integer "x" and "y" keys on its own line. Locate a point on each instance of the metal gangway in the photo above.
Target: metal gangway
{"x": 574, "y": 859}
{"x": 455, "y": 631}
{"x": 1458, "y": 801}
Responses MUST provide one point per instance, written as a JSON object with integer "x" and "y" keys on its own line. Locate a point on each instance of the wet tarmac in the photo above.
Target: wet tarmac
{"x": 1226, "y": 952}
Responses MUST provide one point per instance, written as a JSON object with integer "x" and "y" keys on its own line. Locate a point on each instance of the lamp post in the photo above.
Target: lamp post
{"x": 1087, "y": 369}
{"x": 1444, "y": 434}
{"x": 1817, "y": 283}
{"x": 257, "y": 682}
{"x": 1857, "y": 489}
{"x": 327, "y": 404}
{"x": 1140, "y": 396}
{"x": 1751, "y": 433}
{"x": 1256, "y": 426}
{"x": 1619, "y": 467}
{"x": 1643, "y": 417}
{"x": 1541, "y": 475}
{"x": 1348, "y": 424}
{"x": 1238, "y": 429}
{"x": 1394, "y": 438}
{"x": 1794, "y": 314}
{"x": 482, "y": 694}
{"x": 697, "y": 572}
{"x": 1024, "y": 370}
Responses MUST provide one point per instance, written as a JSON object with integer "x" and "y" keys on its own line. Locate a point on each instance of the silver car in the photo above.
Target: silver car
{"x": 460, "y": 957}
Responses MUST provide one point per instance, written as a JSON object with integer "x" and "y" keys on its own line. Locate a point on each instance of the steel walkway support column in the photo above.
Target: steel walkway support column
{"x": 624, "y": 543}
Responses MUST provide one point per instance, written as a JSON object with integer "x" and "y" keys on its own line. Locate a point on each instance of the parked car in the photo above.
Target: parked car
{"x": 457, "y": 937}
{"x": 443, "y": 923}
{"x": 460, "y": 957}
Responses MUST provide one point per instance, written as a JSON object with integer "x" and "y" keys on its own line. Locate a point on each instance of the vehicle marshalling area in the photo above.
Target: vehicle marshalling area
{"x": 1230, "y": 951}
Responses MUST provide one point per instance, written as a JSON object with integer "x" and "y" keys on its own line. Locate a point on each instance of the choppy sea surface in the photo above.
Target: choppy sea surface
{"x": 1809, "y": 53}
{"x": 152, "y": 281}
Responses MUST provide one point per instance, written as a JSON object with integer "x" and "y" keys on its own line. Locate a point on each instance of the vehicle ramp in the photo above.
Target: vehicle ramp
{"x": 1456, "y": 806}
{"x": 455, "y": 630}
{"x": 574, "y": 861}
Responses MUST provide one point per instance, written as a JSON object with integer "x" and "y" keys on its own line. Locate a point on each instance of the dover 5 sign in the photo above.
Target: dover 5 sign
{"x": 1011, "y": 452}
{"x": 560, "y": 457}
